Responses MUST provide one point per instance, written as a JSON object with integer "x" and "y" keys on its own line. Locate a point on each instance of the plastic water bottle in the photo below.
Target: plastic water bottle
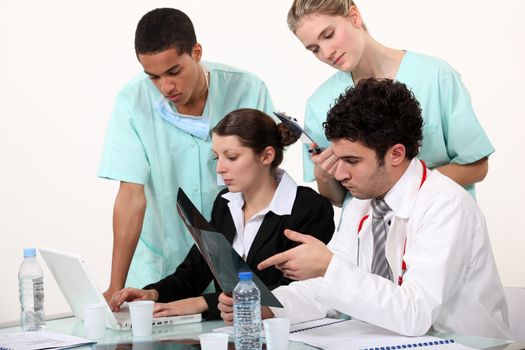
{"x": 31, "y": 292}
{"x": 247, "y": 314}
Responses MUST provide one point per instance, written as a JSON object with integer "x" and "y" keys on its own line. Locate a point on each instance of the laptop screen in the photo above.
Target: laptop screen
{"x": 73, "y": 279}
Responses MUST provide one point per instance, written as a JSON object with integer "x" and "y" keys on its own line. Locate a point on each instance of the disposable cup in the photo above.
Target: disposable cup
{"x": 214, "y": 341}
{"x": 276, "y": 332}
{"x": 141, "y": 317}
{"x": 95, "y": 320}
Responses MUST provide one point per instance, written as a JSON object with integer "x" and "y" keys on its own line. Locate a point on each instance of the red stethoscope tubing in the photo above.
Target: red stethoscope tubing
{"x": 363, "y": 219}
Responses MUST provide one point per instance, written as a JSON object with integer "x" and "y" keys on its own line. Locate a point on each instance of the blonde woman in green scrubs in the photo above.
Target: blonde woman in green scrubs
{"x": 453, "y": 140}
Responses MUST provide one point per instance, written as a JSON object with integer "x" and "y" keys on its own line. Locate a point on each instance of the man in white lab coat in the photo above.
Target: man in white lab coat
{"x": 426, "y": 262}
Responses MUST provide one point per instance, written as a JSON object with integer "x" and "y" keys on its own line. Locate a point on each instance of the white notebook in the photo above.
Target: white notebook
{"x": 332, "y": 334}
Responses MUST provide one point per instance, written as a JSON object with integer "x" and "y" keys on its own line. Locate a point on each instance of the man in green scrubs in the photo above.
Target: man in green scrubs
{"x": 158, "y": 140}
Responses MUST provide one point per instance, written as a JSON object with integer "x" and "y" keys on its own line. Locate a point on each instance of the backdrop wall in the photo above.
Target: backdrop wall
{"x": 63, "y": 62}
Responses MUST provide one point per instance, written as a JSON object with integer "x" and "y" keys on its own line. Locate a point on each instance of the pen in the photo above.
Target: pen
{"x": 315, "y": 150}
{"x": 358, "y": 243}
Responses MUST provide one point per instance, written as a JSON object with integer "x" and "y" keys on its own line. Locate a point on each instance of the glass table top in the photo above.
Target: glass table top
{"x": 185, "y": 336}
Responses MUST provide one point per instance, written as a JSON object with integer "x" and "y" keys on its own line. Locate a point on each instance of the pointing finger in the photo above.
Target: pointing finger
{"x": 273, "y": 260}
{"x": 296, "y": 236}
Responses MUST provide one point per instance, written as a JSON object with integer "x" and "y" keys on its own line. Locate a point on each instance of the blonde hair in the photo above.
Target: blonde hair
{"x": 301, "y": 8}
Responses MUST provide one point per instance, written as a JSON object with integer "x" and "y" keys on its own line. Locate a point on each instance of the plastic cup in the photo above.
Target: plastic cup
{"x": 95, "y": 320}
{"x": 214, "y": 341}
{"x": 141, "y": 317}
{"x": 276, "y": 332}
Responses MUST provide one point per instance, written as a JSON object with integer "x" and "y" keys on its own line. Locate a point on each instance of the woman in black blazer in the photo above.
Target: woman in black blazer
{"x": 260, "y": 202}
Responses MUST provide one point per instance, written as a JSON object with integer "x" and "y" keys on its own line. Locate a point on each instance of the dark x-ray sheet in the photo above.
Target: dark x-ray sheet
{"x": 223, "y": 260}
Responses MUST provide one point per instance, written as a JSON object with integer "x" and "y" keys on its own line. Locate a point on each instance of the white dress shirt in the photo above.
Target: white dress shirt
{"x": 281, "y": 204}
{"x": 451, "y": 282}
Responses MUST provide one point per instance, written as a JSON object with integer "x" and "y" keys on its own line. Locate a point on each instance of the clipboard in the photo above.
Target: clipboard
{"x": 296, "y": 129}
{"x": 224, "y": 262}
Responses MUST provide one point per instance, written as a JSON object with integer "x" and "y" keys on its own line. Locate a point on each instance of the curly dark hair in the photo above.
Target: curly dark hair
{"x": 378, "y": 113}
{"x": 256, "y": 130}
{"x": 162, "y": 29}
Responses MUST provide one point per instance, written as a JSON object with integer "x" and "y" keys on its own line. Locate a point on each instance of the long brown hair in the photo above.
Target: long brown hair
{"x": 257, "y": 131}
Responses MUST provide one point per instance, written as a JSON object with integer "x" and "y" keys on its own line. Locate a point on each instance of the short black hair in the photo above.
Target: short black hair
{"x": 378, "y": 113}
{"x": 163, "y": 29}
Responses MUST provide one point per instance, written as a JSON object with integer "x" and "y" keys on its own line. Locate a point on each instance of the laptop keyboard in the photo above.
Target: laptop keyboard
{"x": 124, "y": 318}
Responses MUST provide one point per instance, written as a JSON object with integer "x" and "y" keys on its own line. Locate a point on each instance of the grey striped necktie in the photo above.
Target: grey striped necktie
{"x": 379, "y": 229}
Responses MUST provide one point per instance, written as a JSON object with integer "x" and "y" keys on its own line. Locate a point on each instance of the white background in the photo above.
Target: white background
{"x": 63, "y": 62}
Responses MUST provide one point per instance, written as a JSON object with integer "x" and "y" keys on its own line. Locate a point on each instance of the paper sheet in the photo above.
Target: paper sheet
{"x": 39, "y": 340}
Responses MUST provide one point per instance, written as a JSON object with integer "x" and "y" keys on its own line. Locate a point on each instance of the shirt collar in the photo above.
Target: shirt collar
{"x": 400, "y": 197}
{"x": 283, "y": 198}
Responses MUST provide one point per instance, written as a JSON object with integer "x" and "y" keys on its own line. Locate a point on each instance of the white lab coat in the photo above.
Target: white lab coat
{"x": 451, "y": 281}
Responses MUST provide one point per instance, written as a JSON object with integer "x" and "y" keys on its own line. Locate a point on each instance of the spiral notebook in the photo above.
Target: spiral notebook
{"x": 333, "y": 334}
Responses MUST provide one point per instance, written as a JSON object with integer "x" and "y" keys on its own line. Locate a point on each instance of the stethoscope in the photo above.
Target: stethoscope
{"x": 363, "y": 219}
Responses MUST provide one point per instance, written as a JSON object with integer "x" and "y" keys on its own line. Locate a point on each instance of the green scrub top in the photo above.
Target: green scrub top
{"x": 141, "y": 147}
{"x": 451, "y": 130}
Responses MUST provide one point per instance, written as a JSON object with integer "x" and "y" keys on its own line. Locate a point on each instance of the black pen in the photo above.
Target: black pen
{"x": 358, "y": 244}
{"x": 294, "y": 127}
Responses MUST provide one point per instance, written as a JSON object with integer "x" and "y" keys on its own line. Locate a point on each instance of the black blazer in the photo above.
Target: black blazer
{"x": 311, "y": 214}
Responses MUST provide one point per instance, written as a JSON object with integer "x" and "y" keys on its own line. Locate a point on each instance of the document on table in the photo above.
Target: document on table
{"x": 333, "y": 334}
{"x": 40, "y": 340}
{"x": 298, "y": 327}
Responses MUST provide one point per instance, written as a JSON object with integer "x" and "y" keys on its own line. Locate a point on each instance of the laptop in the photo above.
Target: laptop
{"x": 224, "y": 262}
{"x": 72, "y": 277}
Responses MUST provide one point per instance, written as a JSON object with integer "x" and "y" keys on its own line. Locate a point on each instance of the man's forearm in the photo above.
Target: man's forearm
{"x": 128, "y": 216}
{"x": 123, "y": 250}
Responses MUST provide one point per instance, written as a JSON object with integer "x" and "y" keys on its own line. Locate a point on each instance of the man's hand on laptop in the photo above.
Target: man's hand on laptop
{"x": 108, "y": 294}
{"x": 130, "y": 294}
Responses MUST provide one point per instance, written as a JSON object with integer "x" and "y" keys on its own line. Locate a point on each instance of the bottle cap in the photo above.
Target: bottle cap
{"x": 244, "y": 276}
{"x": 29, "y": 252}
